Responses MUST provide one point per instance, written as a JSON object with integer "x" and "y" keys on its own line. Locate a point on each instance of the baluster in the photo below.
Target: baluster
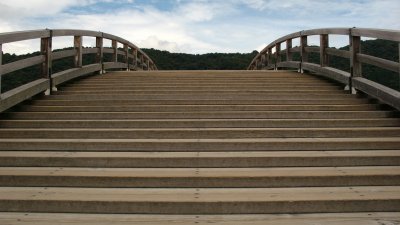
{"x": 99, "y": 54}
{"x": 303, "y": 53}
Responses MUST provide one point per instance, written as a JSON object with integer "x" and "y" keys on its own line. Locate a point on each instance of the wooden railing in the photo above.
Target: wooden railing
{"x": 132, "y": 59}
{"x": 271, "y": 58}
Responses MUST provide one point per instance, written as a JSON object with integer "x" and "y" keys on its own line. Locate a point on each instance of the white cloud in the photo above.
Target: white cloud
{"x": 199, "y": 26}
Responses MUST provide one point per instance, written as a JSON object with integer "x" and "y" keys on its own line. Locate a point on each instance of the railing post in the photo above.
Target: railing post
{"x": 303, "y": 53}
{"x": 148, "y": 64}
{"x": 277, "y": 55}
{"x": 256, "y": 64}
{"x": 126, "y": 56}
{"x": 115, "y": 52}
{"x": 99, "y": 54}
{"x": 142, "y": 61}
{"x": 262, "y": 61}
{"x": 355, "y": 65}
{"x": 289, "y": 54}
{"x": 135, "y": 58}
{"x": 1, "y": 65}
{"x": 269, "y": 58}
{"x": 324, "y": 44}
{"x": 78, "y": 51}
{"x": 45, "y": 50}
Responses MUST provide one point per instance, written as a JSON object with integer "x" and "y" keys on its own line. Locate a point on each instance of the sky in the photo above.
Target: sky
{"x": 194, "y": 26}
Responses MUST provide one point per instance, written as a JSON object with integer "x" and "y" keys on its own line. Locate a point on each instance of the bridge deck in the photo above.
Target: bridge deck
{"x": 200, "y": 142}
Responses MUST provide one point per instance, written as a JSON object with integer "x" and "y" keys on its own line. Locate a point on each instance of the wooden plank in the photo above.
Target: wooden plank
{"x": 312, "y": 49}
{"x": 121, "y": 52}
{"x": 114, "y": 65}
{"x": 23, "y": 63}
{"x": 326, "y": 31}
{"x": 71, "y": 32}
{"x": 66, "y": 75}
{"x": 108, "y": 50}
{"x": 23, "y": 35}
{"x": 23, "y": 92}
{"x": 289, "y": 64}
{"x": 201, "y": 200}
{"x": 329, "y": 72}
{"x": 337, "y": 52}
{"x": 63, "y": 54}
{"x": 89, "y": 51}
{"x": 370, "y": 218}
{"x": 381, "y": 92}
{"x": 392, "y": 35}
{"x": 379, "y": 62}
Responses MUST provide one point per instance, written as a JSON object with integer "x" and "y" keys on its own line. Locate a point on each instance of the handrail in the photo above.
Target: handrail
{"x": 270, "y": 58}
{"x": 133, "y": 59}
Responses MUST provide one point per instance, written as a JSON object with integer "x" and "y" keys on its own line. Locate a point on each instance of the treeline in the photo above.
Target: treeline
{"x": 214, "y": 61}
{"x": 210, "y": 61}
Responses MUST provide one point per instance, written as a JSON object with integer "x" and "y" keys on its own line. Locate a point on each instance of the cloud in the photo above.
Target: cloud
{"x": 196, "y": 26}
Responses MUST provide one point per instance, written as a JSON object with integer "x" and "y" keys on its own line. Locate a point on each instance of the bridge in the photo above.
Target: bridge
{"x": 118, "y": 141}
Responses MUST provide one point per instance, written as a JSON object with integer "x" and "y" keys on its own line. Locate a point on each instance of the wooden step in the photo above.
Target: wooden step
{"x": 201, "y": 115}
{"x": 202, "y": 123}
{"x": 224, "y": 159}
{"x": 200, "y": 177}
{"x": 242, "y": 144}
{"x": 370, "y": 218}
{"x": 200, "y": 200}
{"x": 192, "y": 133}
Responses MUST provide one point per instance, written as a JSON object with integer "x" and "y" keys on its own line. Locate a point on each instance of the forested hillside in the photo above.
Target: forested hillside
{"x": 215, "y": 61}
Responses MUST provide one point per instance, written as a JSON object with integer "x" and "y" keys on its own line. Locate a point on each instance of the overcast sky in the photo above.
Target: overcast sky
{"x": 194, "y": 26}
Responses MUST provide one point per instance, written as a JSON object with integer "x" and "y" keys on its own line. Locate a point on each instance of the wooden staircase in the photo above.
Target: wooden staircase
{"x": 198, "y": 147}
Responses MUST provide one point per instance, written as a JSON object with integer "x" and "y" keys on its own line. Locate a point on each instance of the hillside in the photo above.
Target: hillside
{"x": 214, "y": 61}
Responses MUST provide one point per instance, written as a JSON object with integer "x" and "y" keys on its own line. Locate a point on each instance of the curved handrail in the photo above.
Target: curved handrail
{"x": 133, "y": 59}
{"x": 270, "y": 58}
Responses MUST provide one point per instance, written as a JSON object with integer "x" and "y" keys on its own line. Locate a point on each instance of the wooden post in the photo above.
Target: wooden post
{"x": 148, "y": 64}
{"x": 142, "y": 61}
{"x": 256, "y": 64}
{"x": 78, "y": 51}
{"x": 1, "y": 65}
{"x": 45, "y": 50}
{"x": 269, "y": 58}
{"x": 99, "y": 54}
{"x": 277, "y": 55}
{"x": 303, "y": 53}
{"x": 135, "y": 58}
{"x": 289, "y": 54}
{"x": 262, "y": 61}
{"x": 115, "y": 52}
{"x": 126, "y": 56}
{"x": 324, "y": 44}
{"x": 355, "y": 48}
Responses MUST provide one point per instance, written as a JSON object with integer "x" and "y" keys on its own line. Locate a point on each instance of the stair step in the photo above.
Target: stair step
{"x": 226, "y": 159}
{"x": 203, "y": 123}
{"x": 194, "y": 108}
{"x": 200, "y": 177}
{"x": 176, "y": 133}
{"x": 202, "y": 115}
{"x": 243, "y": 144}
{"x": 104, "y": 102}
{"x": 371, "y": 218}
{"x": 200, "y": 200}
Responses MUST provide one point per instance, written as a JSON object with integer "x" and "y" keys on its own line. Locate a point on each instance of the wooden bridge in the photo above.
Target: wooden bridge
{"x": 120, "y": 142}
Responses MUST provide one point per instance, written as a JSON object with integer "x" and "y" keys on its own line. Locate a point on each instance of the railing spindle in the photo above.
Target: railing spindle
{"x": 46, "y": 68}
